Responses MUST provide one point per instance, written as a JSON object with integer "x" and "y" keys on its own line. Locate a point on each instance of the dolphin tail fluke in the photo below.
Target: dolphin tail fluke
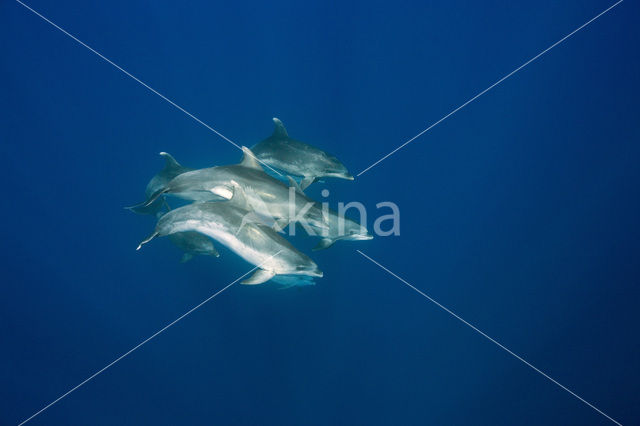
{"x": 324, "y": 244}
{"x": 259, "y": 277}
{"x": 144, "y": 206}
{"x": 149, "y": 238}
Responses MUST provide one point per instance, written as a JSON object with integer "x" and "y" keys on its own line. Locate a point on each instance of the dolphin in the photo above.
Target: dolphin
{"x": 298, "y": 158}
{"x": 266, "y": 195}
{"x": 341, "y": 228}
{"x": 193, "y": 243}
{"x": 255, "y": 242}
{"x": 171, "y": 169}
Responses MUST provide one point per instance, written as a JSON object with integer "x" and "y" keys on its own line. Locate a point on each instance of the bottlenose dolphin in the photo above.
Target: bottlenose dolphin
{"x": 340, "y": 228}
{"x": 193, "y": 243}
{"x": 266, "y": 195}
{"x": 171, "y": 169}
{"x": 298, "y": 158}
{"x": 255, "y": 242}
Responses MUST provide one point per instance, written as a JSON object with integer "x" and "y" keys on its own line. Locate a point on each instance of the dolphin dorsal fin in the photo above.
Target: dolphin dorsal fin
{"x": 170, "y": 162}
{"x": 279, "y": 131}
{"x": 239, "y": 197}
{"x": 249, "y": 159}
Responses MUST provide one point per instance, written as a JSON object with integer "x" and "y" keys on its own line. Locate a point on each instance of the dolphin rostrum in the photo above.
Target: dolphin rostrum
{"x": 193, "y": 243}
{"x": 255, "y": 242}
{"x": 171, "y": 169}
{"x": 298, "y": 158}
{"x": 266, "y": 195}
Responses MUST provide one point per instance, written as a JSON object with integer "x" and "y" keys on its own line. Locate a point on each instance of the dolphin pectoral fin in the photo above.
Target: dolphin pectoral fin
{"x": 304, "y": 183}
{"x": 280, "y": 131}
{"x": 186, "y": 257}
{"x": 259, "y": 277}
{"x": 294, "y": 184}
{"x": 323, "y": 244}
{"x": 149, "y": 238}
{"x": 214, "y": 252}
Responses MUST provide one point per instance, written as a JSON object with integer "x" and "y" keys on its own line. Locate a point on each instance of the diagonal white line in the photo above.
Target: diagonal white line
{"x": 97, "y": 373}
{"x": 490, "y": 87}
{"x": 491, "y": 339}
{"x": 136, "y": 79}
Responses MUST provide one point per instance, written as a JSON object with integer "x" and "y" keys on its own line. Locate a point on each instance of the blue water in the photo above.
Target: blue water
{"x": 520, "y": 213}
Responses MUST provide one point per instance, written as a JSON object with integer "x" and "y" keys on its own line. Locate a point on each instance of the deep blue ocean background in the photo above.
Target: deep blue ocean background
{"x": 520, "y": 213}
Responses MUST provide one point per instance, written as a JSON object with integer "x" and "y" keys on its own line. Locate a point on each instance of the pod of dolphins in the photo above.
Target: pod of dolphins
{"x": 244, "y": 208}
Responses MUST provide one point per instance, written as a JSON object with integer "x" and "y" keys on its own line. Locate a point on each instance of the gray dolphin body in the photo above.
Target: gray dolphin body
{"x": 171, "y": 169}
{"x": 192, "y": 244}
{"x": 254, "y": 242}
{"x": 298, "y": 158}
{"x": 266, "y": 195}
{"x": 340, "y": 228}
